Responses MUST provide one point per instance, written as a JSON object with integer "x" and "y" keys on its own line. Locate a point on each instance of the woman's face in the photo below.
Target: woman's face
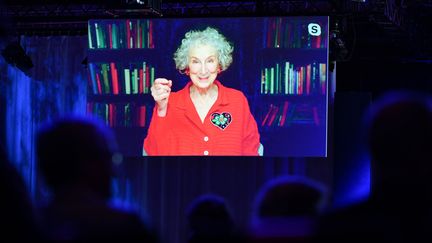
{"x": 203, "y": 65}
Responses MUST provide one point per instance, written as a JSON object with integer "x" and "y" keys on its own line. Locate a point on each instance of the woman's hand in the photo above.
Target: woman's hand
{"x": 160, "y": 91}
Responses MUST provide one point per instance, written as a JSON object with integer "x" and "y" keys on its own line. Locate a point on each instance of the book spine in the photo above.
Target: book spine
{"x": 114, "y": 78}
{"x": 152, "y": 75}
{"x": 286, "y": 77}
{"x": 99, "y": 83}
{"x": 135, "y": 81}
{"x": 92, "y": 74}
{"x": 273, "y": 115}
{"x": 141, "y": 81}
{"x": 272, "y": 76}
{"x": 110, "y": 37}
{"x": 284, "y": 114}
{"x": 105, "y": 78}
{"x": 323, "y": 77}
{"x": 142, "y": 116}
{"x": 128, "y": 34}
{"x": 151, "y": 40}
{"x": 308, "y": 79}
{"x": 127, "y": 81}
{"x": 89, "y": 35}
{"x": 266, "y": 117}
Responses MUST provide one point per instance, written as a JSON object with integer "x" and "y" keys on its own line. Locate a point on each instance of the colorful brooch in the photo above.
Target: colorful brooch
{"x": 221, "y": 120}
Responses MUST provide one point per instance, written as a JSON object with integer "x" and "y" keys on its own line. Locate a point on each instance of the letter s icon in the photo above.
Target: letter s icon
{"x": 314, "y": 29}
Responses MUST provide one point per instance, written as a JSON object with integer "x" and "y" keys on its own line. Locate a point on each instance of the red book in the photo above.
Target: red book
{"x": 273, "y": 115}
{"x": 300, "y": 81}
{"x": 114, "y": 79}
{"x": 99, "y": 86}
{"x": 110, "y": 36}
{"x": 318, "y": 41}
{"x": 142, "y": 116}
{"x": 308, "y": 78}
{"x": 128, "y": 35}
{"x": 147, "y": 73}
{"x": 110, "y": 115}
{"x": 151, "y": 44}
{"x": 141, "y": 81}
{"x": 267, "y": 115}
{"x": 284, "y": 112}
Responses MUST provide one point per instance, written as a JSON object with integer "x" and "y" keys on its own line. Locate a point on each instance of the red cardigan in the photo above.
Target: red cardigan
{"x": 228, "y": 129}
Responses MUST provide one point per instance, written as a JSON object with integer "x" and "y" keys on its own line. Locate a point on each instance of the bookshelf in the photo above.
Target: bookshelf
{"x": 121, "y": 71}
{"x": 293, "y": 79}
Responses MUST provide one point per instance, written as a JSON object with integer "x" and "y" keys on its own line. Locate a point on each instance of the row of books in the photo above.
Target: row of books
{"x": 118, "y": 34}
{"x": 119, "y": 78}
{"x": 279, "y": 33}
{"x": 119, "y": 115}
{"x": 284, "y": 78}
{"x": 289, "y": 114}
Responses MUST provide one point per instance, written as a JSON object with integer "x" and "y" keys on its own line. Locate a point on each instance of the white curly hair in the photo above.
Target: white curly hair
{"x": 209, "y": 36}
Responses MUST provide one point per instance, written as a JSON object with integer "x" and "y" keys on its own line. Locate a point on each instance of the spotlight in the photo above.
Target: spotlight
{"x": 15, "y": 55}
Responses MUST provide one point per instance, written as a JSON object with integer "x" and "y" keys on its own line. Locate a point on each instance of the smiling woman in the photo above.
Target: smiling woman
{"x": 205, "y": 117}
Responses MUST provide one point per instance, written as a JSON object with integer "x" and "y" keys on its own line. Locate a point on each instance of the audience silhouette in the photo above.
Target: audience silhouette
{"x": 399, "y": 129}
{"x": 75, "y": 157}
{"x": 18, "y": 218}
{"x": 286, "y": 209}
{"x": 210, "y": 220}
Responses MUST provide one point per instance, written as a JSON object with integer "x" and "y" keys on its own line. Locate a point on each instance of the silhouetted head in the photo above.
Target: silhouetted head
{"x": 289, "y": 196}
{"x": 285, "y": 209}
{"x": 208, "y": 215}
{"x": 76, "y": 151}
{"x": 400, "y": 139}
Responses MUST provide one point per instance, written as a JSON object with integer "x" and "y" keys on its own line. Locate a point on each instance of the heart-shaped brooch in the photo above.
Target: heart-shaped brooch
{"x": 221, "y": 120}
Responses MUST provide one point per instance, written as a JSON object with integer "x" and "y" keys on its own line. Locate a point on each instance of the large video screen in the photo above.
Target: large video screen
{"x": 221, "y": 86}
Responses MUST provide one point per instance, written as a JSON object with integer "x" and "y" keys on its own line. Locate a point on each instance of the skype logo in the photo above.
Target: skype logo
{"x": 314, "y": 29}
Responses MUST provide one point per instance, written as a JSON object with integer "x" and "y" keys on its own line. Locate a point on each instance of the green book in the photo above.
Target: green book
{"x": 272, "y": 79}
{"x": 105, "y": 69}
{"x": 135, "y": 81}
{"x": 267, "y": 81}
{"x": 137, "y": 41}
{"x": 152, "y": 75}
{"x": 115, "y": 37}
{"x": 89, "y": 36}
{"x": 277, "y": 79}
{"x": 127, "y": 81}
{"x": 98, "y": 37}
{"x": 127, "y": 117}
{"x": 106, "y": 114}
{"x": 145, "y": 88}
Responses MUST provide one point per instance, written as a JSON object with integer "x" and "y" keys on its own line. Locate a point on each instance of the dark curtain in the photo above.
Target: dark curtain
{"x": 164, "y": 187}
{"x": 160, "y": 188}
{"x": 55, "y": 86}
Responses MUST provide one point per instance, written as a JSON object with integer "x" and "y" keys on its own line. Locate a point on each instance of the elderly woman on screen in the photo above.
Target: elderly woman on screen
{"x": 205, "y": 117}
